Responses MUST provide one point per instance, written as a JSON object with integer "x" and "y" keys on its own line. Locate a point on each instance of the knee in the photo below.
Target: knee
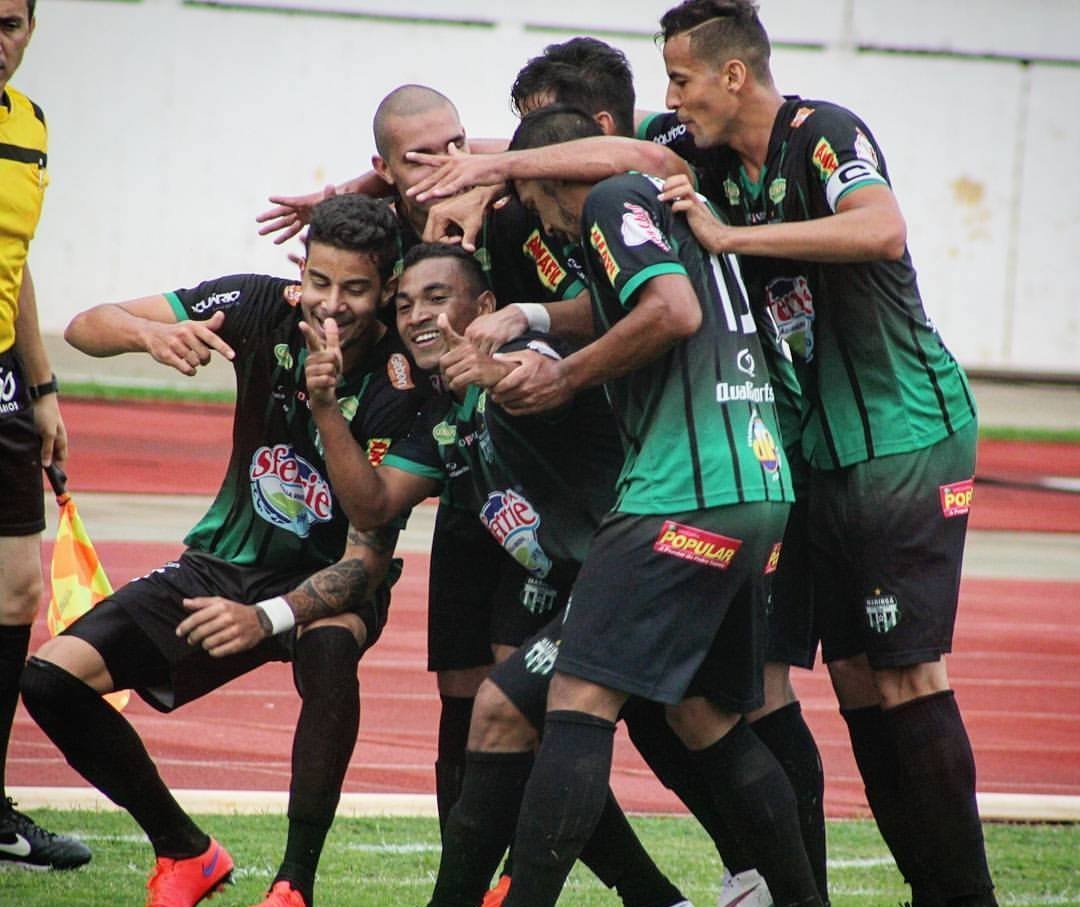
{"x": 42, "y": 685}
{"x": 22, "y": 596}
{"x": 853, "y": 682}
{"x": 497, "y": 724}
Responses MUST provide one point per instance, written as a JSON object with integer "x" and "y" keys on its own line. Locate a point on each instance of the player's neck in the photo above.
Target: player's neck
{"x": 754, "y": 127}
{"x": 353, "y": 354}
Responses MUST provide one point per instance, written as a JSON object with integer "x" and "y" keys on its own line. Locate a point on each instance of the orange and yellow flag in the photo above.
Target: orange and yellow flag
{"x": 78, "y": 579}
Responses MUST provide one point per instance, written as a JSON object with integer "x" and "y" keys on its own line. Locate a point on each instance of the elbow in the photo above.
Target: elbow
{"x": 684, "y": 321}
{"x": 73, "y": 334}
{"x": 893, "y": 244}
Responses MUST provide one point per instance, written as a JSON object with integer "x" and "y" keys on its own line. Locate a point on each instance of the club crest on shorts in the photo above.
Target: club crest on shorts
{"x": 287, "y": 491}
{"x": 540, "y": 659}
{"x": 882, "y": 611}
{"x": 697, "y": 545}
{"x": 956, "y": 498}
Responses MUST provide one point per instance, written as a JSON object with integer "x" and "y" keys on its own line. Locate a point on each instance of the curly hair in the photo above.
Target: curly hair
{"x": 357, "y": 223}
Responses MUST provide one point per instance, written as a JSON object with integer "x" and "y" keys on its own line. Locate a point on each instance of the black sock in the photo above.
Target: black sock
{"x": 937, "y": 774}
{"x": 325, "y": 670}
{"x": 450, "y": 762}
{"x": 616, "y": 857}
{"x": 563, "y": 801}
{"x": 100, "y": 744}
{"x": 670, "y": 761}
{"x": 876, "y": 756}
{"x": 758, "y": 801}
{"x": 480, "y": 826}
{"x": 785, "y": 733}
{"x": 14, "y": 644}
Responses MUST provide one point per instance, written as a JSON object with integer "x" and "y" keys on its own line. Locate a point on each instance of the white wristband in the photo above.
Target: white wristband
{"x": 279, "y": 613}
{"x": 536, "y": 315}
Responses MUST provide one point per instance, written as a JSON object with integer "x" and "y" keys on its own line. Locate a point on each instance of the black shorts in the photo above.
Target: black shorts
{"x": 525, "y": 676}
{"x": 148, "y": 610}
{"x": 478, "y": 596}
{"x": 792, "y": 635}
{"x": 23, "y": 511}
{"x": 667, "y": 607}
{"x": 887, "y": 542}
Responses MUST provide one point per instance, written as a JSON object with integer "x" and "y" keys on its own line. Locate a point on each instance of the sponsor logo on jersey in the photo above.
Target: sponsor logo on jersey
{"x": 666, "y": 138}
{"x": 747, "y": 392}
{"x": 283, "y": 355}
{"x": 773, "y": 560}
{"x": 882, "y": 612}
{"x": 791, "y": 308}
{"x": 515, "y": 524}
{"x": 777, "y": 190}
{"x": 731, "y": 191}
{"x": 291, "y": 294}
{"x": 377, "y": 449}
{"x": 548, "y": 269}
{"x": 956, "y": 498}
{"x": 864, "y": 148}
{"x": 399, "y": 372}
{"x": 638, "y": 228}
{"x": 444, "y": 433}
{"x": 537, "y": 597}
{"x": 9, "y": 388}
{"x": 288, "y": 491}
{"x": 800, "y": 116}
{"x": 692, "y": 544}
{"x": 214, "y": 301}
{"x": 762, "y": 443}
{"x": 540, "y": 659}
{"x": 824, "y": 158}
{"x": 745, "y": 362}
{"x": 848, "y": 175}
{"x": 600, "y": 243}
{"x": 349, "y": 406}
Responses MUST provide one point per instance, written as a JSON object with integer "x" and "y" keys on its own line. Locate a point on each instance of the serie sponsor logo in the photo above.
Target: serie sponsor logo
{"x": 773, "y": 560}
{"x": 291, "y": 294}
{"x": 763, "y": 444}
{"x": 777, "y": 190}
{"x": 548, "y": 269}
{"x": 824, "y": 158}
{"x": 956, "y": 498}
{"x": 692, "y": 544}
{"x": 600, "y": 243}
{"x": 399, "y": 372}
{"x": 864, "y": 148}
{"x": 288, "y": 491}
{"x": 377, "y": 449}
{"x": 731, "y": 191}
{"x": 515, "y": 524}
{"x": 666, "y": 138}
{"x": 800, "y": 116}
{"x": 638, "y": 228}
{"x": 747, "y": 392}
{"x": 537, "y": 597}
{"x": 882, "y": 611}
{"x": 215, "y": 300}
{"x": 444, "y": 433}
{"x": 283, "y": 355}
{"x": 791, "y": 307}
{"x": 541, "y": 657}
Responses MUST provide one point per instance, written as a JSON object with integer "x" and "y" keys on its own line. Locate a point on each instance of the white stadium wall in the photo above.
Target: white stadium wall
{"x": 171, "y": 123}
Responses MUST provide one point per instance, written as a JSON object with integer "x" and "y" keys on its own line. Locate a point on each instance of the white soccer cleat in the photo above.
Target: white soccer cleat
{"x": 746, "y": 889}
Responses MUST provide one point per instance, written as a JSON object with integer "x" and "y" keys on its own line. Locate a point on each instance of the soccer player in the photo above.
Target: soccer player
{"x": 670, "y": 602}
{"x": 271, "y": 572}
{"x": 889, "y": 422}
{"x": 32, "y": 433}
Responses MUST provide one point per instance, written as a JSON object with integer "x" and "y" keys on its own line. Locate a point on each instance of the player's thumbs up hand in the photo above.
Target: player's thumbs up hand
{"x": 451, "y": 337}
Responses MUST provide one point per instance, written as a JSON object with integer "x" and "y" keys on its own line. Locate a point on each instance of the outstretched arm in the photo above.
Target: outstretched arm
{"x": 291, "y": 213}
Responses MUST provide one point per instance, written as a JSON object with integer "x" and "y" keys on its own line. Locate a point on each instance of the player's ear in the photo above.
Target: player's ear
{"x": 378, "y": 164}
{"x": 735, "y": 75}
{"x": 606, "y": 122}
{"x": 485, "y": 303}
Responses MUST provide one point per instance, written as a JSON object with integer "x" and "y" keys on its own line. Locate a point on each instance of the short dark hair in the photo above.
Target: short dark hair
{"x": 357, "y": 223}
{"x": 553, "y": 125}
{"x": 30, "y": 4}
{"x": 405, "y": 101}
{"x": 583, "y": 72}
{"x": 470, "y": 266}
{"x": 722, "y": 29}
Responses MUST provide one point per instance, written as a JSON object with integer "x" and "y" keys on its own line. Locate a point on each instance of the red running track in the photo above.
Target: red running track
{"x": 1016, "y": 669}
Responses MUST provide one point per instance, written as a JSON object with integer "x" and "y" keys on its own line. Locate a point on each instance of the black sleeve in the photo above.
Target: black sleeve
{"x": 252, "y": 303}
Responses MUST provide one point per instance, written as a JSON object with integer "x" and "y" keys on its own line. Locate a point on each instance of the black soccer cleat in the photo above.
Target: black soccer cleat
{"x": 25, "y": 843}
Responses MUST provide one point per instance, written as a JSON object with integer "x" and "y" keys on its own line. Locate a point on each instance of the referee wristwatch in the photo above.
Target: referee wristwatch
{"x": 37, "y": 391}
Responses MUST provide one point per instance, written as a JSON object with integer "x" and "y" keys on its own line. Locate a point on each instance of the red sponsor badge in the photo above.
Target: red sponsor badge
{"x": 697, "y": 545}
{"x": 376, "y": 450}
{"x": 773, "y": 560}
{"x": 956, "y": 498}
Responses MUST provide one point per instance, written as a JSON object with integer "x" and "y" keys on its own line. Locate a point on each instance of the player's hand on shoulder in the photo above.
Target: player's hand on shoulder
{"x": 290, "y": 214}
{"x": 680, "y": 193}
{"x": 186, "y": 345}
{"x": 324, "y": 366}
{"x": 220, "y": 626}
{"x": 536, "y": 384}
{"x": 490, "y": 331}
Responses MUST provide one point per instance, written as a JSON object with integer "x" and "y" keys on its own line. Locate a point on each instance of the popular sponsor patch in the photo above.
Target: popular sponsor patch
{"x": 762, "y": 443}
{"x": 956, "y": 498}
{"x": 599, "y": 242}
{"x": 377, "y": 449}
{"x": 288, "y": 491}
{"x": 548, "y": 269}
{"x": 399, "y": 372}
{"x": 800, "y": 116}
{"x": 692, "y": 544}
{"x": 824, "y": 158}
{"x": 882, "y": 611}
{"x": 638, "y": 228}
{"x": 513, "y": 521}
{"x": 791, "y": 307}
{"x": 773, "y": 560}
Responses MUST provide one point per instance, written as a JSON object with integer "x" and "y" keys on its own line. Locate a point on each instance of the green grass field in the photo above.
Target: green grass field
{"x": 391, "y": 862}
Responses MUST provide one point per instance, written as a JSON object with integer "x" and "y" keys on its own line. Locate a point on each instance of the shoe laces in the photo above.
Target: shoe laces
{"x": 24, "y": 825}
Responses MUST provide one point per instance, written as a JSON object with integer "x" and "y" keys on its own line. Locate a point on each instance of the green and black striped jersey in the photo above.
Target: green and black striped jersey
{"x": 699, "y": 424}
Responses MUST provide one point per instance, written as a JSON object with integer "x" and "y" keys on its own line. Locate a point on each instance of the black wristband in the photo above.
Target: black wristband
{"x": 37, "y": 391}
